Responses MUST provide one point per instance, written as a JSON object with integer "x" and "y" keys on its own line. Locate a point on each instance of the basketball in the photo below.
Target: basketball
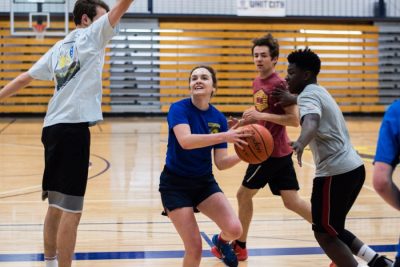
{"x": 261, "y": 144}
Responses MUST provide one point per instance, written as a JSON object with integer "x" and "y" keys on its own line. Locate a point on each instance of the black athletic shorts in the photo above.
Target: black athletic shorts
{"x": 278, "y": 173}
{"x": 332, "y": 198}
{"x": 66, "y": 149}
{"x": 178, "y": 192}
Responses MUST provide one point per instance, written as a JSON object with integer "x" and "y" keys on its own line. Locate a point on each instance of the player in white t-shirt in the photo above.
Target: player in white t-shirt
{"x": 75, "y": 64}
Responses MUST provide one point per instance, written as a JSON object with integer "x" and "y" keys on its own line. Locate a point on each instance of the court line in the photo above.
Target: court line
{"x": 141, "y": 200}
{"x": 170, "y": 254}
{"x": 4, "y": 195}
{"x": 199, "y": 221}
{"x": 7, "y": 125}
{"x": 206, "y": 238}
{"x": 20, "y": 190}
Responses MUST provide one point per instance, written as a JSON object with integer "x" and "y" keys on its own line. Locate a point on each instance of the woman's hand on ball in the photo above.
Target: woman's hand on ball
{"x": 235, "y": 135}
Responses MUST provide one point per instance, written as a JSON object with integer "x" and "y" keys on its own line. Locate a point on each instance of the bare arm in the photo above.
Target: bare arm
{"x": 240, "y": 122}
{"x": 309, "y": 129}
{"x": 187, "y": 140}
{"x": 223, "y": 160}
{"x": 290, "y": 118}
{"x": 384, "y": 186}
{"x": 18, "y": 83}
{"x": 118, "y": 11}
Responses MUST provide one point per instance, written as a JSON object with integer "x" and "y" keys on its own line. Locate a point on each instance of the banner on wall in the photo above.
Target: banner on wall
{"x": 261, "y": 8}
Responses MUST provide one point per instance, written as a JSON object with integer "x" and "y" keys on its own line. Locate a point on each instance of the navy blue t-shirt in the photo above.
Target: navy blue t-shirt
{"x": 193, "y": 162}
{"x": 388, "y": 147}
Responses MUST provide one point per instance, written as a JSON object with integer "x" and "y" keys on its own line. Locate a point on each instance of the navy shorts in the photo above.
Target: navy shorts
{"x": 332, "y": 198}
{"x": 66, "y": 149}
{"x": 178, "y": 192}
{"x": 278, "y": 173}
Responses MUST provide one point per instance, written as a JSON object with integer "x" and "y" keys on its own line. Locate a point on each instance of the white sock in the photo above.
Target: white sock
{"x": 51, "y": 262}
{"x": 366, "y": 253}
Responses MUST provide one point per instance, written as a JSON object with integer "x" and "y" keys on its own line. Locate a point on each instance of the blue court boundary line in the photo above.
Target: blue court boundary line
{"x": 178, "y": 254}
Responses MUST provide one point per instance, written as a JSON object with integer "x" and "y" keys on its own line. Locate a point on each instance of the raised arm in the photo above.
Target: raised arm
{"x": 118, "y": 11}
{"x": 18, "y": 83}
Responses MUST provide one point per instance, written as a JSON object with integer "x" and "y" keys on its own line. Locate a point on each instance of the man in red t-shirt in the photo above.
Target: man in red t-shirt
{"x": 277, "y": 171}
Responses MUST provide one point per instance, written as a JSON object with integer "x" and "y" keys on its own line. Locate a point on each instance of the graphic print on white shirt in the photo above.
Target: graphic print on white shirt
{"x": 67, "y": 64}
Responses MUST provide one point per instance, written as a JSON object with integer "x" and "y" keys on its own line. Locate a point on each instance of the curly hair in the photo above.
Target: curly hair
{"x": 306, "y": 60}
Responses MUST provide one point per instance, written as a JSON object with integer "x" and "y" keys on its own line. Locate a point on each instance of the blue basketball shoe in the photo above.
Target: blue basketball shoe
{"x": 224, "y": 251}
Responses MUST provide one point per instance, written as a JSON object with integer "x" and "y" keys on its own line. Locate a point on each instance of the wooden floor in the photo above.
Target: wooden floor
{"x": 121, "y": 224}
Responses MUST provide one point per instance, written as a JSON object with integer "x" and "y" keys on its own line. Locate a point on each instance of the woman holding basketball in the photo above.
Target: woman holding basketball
{"x": 196, "y": 128}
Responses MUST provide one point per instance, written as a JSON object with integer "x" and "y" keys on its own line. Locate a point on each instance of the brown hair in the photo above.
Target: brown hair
{"x": 87, "y": 7}
{"x": 269, "y": 41}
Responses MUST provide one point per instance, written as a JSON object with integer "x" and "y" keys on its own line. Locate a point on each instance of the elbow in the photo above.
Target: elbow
{"x": 23, "y": 79}
{"x": 221, "y": 168}
{"x": 381, "y": 184}
{"x": 295, "y": 123}
{"x": 185, "y": 145}
{"x": 220, "y": 165}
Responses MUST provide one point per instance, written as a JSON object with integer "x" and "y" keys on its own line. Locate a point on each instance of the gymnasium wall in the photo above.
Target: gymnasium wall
{"x": 318, "y": 8}
{"x": 147, "y": 65}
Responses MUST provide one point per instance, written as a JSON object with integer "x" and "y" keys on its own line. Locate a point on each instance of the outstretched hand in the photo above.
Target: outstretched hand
{"x": 284, "y": 97}
{"x": 298, "y": 149}
{"x": 252, "y": 114}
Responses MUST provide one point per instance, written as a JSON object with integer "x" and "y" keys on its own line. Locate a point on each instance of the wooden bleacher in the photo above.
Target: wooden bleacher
{"x": 349, "y": 54}
{"x": 350, "y": 68}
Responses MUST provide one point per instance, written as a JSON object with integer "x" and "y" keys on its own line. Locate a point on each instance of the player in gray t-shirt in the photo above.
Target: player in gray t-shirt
{"x": 340, "y": 172}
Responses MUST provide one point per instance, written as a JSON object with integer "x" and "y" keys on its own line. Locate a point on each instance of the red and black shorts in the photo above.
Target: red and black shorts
{"x": 332, "y": 198}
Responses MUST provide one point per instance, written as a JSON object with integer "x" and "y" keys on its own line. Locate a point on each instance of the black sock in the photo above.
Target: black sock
{"x": 241, "y": 244}
{"x": 371, "y": 263}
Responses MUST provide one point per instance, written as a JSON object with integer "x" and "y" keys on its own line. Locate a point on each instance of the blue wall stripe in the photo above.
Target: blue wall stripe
{"x": 179, "y": 254}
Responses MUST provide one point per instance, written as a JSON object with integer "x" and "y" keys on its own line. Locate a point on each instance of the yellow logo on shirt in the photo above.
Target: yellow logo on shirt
{"x": 260, "y": 100}
{"x": 68, "y": 64}
{"x": 214, "y": 127}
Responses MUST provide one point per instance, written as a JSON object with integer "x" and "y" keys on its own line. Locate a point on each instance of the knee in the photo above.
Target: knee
{"x": 291, "y": 204}
{"x": 324, "y": 238}
{"x": 70, "y": 218}
{"x": 234, "y": 231}
{"x": 381, "y": 184}
{"x": 243, "y": 195}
